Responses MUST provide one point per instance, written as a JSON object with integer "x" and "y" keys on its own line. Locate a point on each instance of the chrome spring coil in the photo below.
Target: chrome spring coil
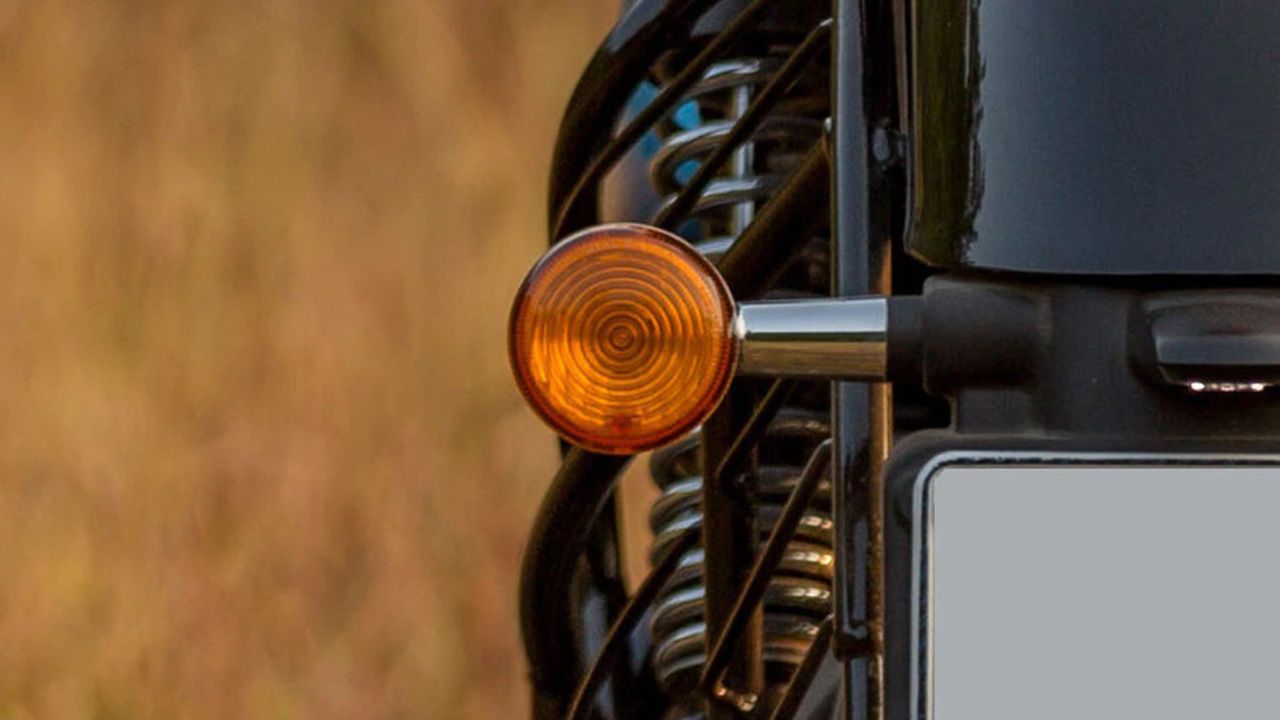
{"x": 728, "y": 204}
{"x": 799, "y": 595}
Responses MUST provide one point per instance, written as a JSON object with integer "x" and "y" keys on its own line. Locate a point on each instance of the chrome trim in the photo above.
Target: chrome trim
{"x": 845, "y": 338}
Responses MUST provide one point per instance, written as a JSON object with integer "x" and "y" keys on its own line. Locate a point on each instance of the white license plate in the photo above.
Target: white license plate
{"x": 1089, "y": 592}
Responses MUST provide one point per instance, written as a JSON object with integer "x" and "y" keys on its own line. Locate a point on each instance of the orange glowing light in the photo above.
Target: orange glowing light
{"x": 621, "y": 338}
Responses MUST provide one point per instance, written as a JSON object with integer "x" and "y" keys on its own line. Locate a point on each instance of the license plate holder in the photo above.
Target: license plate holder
{"x": 1098, "y": 586}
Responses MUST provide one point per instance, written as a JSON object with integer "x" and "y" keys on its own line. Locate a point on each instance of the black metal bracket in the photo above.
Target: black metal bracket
{"x": 712, "y": 681}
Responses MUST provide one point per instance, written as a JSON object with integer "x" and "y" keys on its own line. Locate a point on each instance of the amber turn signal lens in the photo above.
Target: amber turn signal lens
{"x": 621, "y": 338}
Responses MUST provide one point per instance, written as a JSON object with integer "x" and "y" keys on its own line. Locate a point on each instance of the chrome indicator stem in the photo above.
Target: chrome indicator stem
{"x": 840, "y": 338}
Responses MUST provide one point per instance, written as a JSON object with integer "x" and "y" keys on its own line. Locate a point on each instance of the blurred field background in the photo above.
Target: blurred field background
{"x": 260, "y": 456}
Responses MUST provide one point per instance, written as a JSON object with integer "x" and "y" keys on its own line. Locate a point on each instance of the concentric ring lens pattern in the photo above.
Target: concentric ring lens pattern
{"x": 620, "y": 338}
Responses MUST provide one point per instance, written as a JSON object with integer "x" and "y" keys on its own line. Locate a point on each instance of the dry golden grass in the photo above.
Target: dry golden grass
{"x": 259, "y": 453}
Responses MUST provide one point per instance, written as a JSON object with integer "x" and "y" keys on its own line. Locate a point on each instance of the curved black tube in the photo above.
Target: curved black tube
{"x": 648, "y": 29}
{"x": 779, "y": 85}
{"x": 563, "y": 527}
{"x": 622, "y": 628}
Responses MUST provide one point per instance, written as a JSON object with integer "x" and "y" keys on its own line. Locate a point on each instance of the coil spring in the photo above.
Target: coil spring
{"x": 799, "y": 595}
{"x": 728, "y": 204}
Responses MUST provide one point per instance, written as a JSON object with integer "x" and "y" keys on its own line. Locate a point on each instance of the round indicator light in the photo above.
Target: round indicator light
{"x": 621, "y": 338}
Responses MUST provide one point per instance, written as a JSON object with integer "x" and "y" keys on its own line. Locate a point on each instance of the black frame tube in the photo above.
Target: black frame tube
{"x": 570, "y": 191}
{"x": 565, "y": 524}
{"x": 626, "y": 57}
{"x": 630, "y": 616}
{"x": 864, "y": 118}
{"x": 729, "y": 547}
{"x": 749, "y": 599}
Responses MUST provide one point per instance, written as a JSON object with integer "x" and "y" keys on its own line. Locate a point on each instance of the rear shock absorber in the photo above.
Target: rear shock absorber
{"x": 799, "y": 595}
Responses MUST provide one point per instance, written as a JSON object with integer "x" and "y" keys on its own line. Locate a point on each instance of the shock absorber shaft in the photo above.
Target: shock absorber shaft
{"x": 743, "y": 164}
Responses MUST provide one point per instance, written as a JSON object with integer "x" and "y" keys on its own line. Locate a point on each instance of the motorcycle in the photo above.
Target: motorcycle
{"x": 953, "y": 329}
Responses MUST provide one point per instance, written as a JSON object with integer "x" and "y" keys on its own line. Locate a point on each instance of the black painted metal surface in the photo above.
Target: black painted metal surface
{"x": 1049, "y": 368}
{"x": 1097, "y": 136}
{"x": 865, "y": 132}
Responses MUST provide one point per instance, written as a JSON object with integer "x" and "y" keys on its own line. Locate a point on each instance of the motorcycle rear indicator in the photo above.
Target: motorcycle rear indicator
{"x": 621, "y": 338}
